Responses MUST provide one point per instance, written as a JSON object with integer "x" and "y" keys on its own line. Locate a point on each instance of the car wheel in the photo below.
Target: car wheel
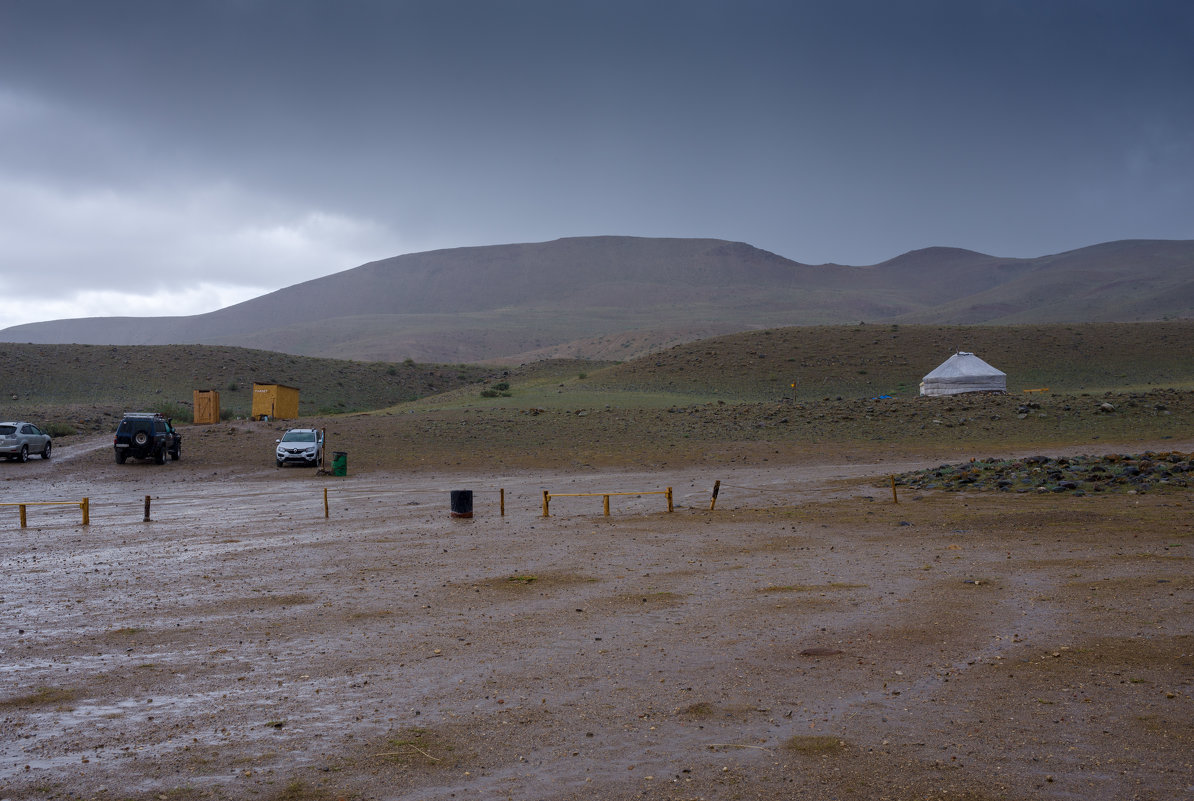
{"x": 120, "y": 457}
{"x": 45, "y": 454}
{"x": 279, "y": 462}
{"x": 176, "y": 454}
{"x": 140, "y": 438}
{"x": 23, "y": 456}
{"x": 160, "y": 457}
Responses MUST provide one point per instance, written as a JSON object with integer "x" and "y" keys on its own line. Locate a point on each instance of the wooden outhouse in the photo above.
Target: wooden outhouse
{"x": 207, "y": 406}
{"x": 275, "y": 401}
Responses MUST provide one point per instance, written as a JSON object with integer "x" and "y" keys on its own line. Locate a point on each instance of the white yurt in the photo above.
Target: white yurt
{"x": 963, "y": 372}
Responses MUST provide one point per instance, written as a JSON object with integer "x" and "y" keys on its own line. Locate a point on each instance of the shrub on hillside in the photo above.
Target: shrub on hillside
{"x": 176, "y": 412}
{"x": 56, "y": 430}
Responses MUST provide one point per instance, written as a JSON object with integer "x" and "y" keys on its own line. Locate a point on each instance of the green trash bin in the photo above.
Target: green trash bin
{"x": 339, "y": 463}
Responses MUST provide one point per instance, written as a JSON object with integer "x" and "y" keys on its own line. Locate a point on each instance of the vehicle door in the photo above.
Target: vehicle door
{"x": 33, "y": 436}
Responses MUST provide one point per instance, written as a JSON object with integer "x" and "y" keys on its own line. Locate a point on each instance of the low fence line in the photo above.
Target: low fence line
{"x": 83, "y": 505}
{"x": 548, "y": 495}
{"x": 148, "y": 501}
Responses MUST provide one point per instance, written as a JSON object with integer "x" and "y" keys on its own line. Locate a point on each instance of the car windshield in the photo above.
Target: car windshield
{"x": 6, "y": 430}
{"x": 299, "y": 436}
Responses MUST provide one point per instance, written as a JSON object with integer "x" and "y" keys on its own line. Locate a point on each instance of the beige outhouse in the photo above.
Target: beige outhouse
{"x": 207, "y": 406}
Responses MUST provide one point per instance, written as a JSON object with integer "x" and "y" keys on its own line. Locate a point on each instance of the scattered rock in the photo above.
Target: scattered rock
{"x": 820, "y": 651}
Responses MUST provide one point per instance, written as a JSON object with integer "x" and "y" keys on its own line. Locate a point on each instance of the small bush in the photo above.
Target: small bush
{"x": 502, "y": 386}
{"x": 59, "y": 429}
{"x": 176, "y": 412}
{"x": 490, "y": 393}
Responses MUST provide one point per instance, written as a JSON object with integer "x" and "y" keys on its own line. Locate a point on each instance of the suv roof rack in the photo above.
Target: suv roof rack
{"x": 144, "y": 415}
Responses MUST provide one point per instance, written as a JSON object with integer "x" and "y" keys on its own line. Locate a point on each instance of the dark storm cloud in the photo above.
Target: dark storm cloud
{"x": 260, "y": 143}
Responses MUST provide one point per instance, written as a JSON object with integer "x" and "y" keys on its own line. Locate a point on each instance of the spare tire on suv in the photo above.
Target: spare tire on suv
{"x": 146, "y": 435}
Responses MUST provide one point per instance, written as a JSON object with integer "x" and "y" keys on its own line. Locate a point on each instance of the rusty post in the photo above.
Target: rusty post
{"x": 22, "y": 508}
{"x": 502, "y": 501}
{"x": 146, "y": 518}
{"x": 713, "y": 500}
{"x": 894, "y": 498}
{"x": 546, "y": 501}
{"x": 86, "y": 505}
{"x": 669, "y": 499}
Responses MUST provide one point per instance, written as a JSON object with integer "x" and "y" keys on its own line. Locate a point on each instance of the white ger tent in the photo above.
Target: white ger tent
{"x": 963, "y": 372}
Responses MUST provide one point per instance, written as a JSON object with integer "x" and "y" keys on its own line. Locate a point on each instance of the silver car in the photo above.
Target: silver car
{"x": 19, "y": 439}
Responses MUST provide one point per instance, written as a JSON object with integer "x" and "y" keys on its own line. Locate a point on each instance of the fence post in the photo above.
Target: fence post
{"x": 86, "y": 505}
{"x": 606, "y": 497}
{"x": 894, "y": 499}
{"x": 546, "y": 501}
{"x": 22, "y": 508}
{"x": 325, "y": 503}
{"x": 502, "y": 500}
{"x": 669, "y": 499}
{"x": 713, "y": 500}
{"x": 146, "y": 520}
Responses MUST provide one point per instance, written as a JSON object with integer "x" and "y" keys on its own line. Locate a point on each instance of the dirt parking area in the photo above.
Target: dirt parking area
{"x": 808, "y": 638}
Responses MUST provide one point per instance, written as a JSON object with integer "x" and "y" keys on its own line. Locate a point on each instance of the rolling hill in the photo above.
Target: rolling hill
{"x": 613, "y": 298}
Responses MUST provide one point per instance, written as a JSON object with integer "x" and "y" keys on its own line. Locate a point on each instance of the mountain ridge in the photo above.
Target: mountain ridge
{"x": 524, "y": 301}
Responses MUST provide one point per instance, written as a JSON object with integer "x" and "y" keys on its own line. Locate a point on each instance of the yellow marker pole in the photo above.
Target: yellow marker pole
{"x": 546, "y": 501}
{"x": 713, "y": 500}
{"x": 606, "y": 497}
{"x": 894, "y": 498}
{"x": 22, "y": 508}
{"x": 86, "y": 504}
{"x": 669, "y": 499}
{"x": 325, "y": 503}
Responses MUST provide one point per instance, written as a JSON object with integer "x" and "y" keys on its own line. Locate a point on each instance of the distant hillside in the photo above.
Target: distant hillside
{"x": 88, "y": 386}
{"x": 111, "y": 379}
{"x": 614, "y": 298}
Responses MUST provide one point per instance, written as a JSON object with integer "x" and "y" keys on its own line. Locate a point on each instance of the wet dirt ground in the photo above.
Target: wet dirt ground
{"x": 808, "y": 638}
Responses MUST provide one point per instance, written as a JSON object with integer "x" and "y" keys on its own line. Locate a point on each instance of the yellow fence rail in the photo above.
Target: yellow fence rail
{"x": 548, "y": 495}
{"x": 84, "y": 505}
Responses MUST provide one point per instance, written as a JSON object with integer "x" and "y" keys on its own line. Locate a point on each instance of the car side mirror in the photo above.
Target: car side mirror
{"x": 277, "y": 440}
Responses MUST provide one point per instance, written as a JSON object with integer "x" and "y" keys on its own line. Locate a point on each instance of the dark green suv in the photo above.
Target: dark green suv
{"x": 146, "y": 435}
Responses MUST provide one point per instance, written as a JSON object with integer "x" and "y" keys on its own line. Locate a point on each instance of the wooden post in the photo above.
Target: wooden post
{"x": 669, "y": 499}
{"x": 546, "y": 501}
{"x": 86, "y": 504}
{"x": 502, "y": 500}
{"x": 146, "y": 518}
{"x": 894, "y": 498}
{"x": 713, "y": 500}
{"x": 606, "y": 505}
{"x": 22, "y": 508}
{"x": 325, "y": 503}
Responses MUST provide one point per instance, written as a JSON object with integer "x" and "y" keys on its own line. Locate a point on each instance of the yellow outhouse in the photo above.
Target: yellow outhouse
{"x": 207, "y": 406}
{"x": 275, "y": 401}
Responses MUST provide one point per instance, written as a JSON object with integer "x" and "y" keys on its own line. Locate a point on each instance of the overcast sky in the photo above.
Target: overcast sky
{"x": 176, "y": 157}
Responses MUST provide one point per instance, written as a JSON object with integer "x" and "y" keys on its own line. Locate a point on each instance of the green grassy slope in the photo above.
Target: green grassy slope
{"x": 857, "y": 361}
